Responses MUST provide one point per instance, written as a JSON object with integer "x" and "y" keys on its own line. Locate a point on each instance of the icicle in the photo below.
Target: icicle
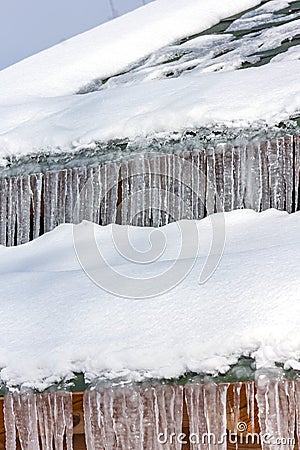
{"x": 136, "y": 198}
{"x": 195, "y": 180}
{"x": 215, "y": 412}
{"x": 276, "y": 413}
{"x": 109, "y": 179}
{"x": 163, "y": 193}
{"x": 45, "y": 420}
{"x": 26, "y": 420}
{"x": 3, "y": 209}
{"x": 10, "y": 423}
{"x": 287, "y": 151}
{"x": 105, "y": 202}
{"x": 296, "y": 146}
{"x": 19, "y": 210}
{"x": 126, "y": 417}
{"x": 172, "y": 188}
{"x": 250, "y": 399}
{"x": 99, "y": 430}
{"x": 113, "y": 174}
{"x": 211, "y": 181}
{"x": 11, "y": 211}
{"x": 253, "y": 189}
{"x": 289, "y": 406}
{"x": 195, "y": 410}
{"x": 50, "y": 201}
{"x": 250, "y": 396}
{"x": 94, "y": 427}
{"x": 82, "y": 194}
{"x": 237, "y": 179}
{"x": 155, "y": 190}
{"x": 228, "y": 177}
{"x": 88, "y": 407}
{"x": 125, "y": 186}
{"x": 265, "y": 184}
{"x": 174, "y": 213}
{"x": 281, "y": 188}
{"x": 88, "y": 197}
{"x": 64, "y": 401}
{"x": 142, "y": 181}
{"x": 202, "y": 185}
{"x": 186, "y": 191}
{"x": 69, "y": 197}
{"x": 121, "y": 420}
{"x": 97, "y": 192}
{"x": 130, "y": 418}
{"x": 149, "y": 420}
{"x": 147, "y": 196}
{"x": 61, "y": 197}
{"x": 48, "y": 416}
{"x": 275, "y": 173}
{"x": 297, "y": 407}
{"x": 219, "y": 172}
{"x": 82, "y": 187}
{"x": 62, "y": 418}
{"x": 169, "y": 410}
{"x": 206, "y": 406}
{"x": 236, "y": 404}
{"x": 75, "y": 197}
{"x": 235, "y": 415}
{"x": 36, "y": 183}
{"x": 25, "y": 209}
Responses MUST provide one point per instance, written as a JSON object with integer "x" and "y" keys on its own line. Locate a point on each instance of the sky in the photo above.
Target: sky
{"x": 27, "y": 27}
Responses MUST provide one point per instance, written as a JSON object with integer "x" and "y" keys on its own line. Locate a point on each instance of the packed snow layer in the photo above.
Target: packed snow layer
{"x": 270, "y": 94}
{"x": 112, "y": 47}
{"x": 55, "y": 320}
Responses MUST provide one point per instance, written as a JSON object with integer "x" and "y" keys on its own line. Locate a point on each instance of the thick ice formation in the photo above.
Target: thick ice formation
{"x": 153, "y": 189}
{"x": 39, "y": 420}
{"x": 133, "y": 417}
{"x": 153, "y": 416}
{"x": 56, "y": 321}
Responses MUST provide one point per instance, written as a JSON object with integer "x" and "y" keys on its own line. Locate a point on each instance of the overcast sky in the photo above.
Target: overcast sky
{"x": 29, "y": 26}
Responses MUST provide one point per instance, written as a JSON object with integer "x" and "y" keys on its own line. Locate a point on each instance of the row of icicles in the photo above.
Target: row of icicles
{"x": 153, "y": 189}
{"x": 160, "y": 417}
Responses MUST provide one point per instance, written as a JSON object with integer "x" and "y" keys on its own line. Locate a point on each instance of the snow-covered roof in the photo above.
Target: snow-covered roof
{"x": 147, "y": 72}
{"x": 112, "y": 47}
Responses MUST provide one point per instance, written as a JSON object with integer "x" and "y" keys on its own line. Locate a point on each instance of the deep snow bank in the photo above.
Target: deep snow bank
{"x": 55, "y": 320}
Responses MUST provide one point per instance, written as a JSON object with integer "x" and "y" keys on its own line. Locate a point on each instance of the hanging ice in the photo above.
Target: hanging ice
{"x": 153, "y": 189}
{"x": 276, "y": 413}
{"x": 133, "y": 418}
{"x": 139, "y": 417}
{"x": 206, "y": 407}
{"x": 42, "y": 421}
